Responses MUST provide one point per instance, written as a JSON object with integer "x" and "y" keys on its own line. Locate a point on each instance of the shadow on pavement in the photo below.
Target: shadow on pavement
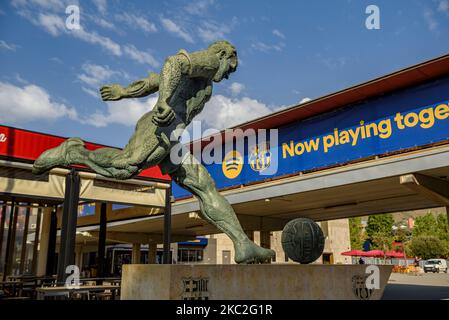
{"x": 415, "y": 292}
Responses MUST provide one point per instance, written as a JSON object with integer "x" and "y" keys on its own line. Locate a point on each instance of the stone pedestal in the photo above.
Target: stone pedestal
{"x": 247, "y": 282}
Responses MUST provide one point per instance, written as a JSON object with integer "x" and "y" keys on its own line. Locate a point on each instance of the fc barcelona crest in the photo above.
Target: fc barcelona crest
{"x": 359, "y": 287}
{"x": 195, "y": 289}
{"x": 260, "y": 157}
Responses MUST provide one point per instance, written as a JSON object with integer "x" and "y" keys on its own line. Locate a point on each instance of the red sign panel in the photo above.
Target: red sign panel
{"x": 27, "y": 145}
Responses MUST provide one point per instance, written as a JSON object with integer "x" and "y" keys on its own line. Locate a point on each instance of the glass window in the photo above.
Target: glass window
{"x": 190, "y": 254}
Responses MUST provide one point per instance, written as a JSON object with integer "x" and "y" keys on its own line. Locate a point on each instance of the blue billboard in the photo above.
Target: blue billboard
{"x": 401, "y": 120}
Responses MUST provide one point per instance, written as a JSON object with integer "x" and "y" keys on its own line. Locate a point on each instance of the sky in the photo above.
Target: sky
{"x": 289, "y": 52}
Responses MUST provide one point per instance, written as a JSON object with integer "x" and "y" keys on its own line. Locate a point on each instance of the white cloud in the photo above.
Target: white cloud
{"x": 125, "y": 112}
{"x": 94, "y": 38}
{"x": 101, "y": 5}
{"x": 199, "y": 7}
{"x": 210, "y": 31}
{"x": 95, "y": 75}
{"x": 222, "y": 112}
{"x": 136, "y": 22}
{"x": 30, "y": 103}
{"x": 429, "y": 16}
{"x": 140, "y": 56}
{"x": 7, "y": 46}
{"x": 19, "y": 79}
{"x": 53, "y": 24}
{"x": 304, "y": 100}
{"x": 443, "y": 6}
{"x": 263, "y": 47}
{"x": 279, "y": 34}
{"x": 172, "y": 27}
{"x": 236, "y": 88}
{"x": 91, "y": 92}
{"x": 56, "y": 60}
{"x": 103, "y": 23}
{"x": 52, "y": 5}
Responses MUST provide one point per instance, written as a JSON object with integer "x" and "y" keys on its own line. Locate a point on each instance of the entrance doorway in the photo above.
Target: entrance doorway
{"x": 226, "y": 254}
{"x": 328, "y": 258}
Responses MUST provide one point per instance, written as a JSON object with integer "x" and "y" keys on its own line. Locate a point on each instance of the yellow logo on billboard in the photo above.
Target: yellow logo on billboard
{"x": 232, "y": 164}
{"x": 260, "y": 157}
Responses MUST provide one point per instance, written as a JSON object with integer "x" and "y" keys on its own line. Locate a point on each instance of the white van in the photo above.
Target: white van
{"x": 435, "y": 265}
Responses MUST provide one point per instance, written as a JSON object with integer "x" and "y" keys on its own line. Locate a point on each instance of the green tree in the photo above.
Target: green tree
{"x": 379, "y": 230}
{"x": 382, "y": 240}
{"x": 356, "y": 233}
{"x": 442, "y": 227}
{"x": 381, "y": 223}
{"x": 427, "y": 247}
{"x": 443, "y": 231}
{"x": 425, "y": 226}
{"x": 401, "y": 235}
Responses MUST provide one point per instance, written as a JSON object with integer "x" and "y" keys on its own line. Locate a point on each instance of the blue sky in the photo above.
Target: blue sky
{"x": 288, "y": 50}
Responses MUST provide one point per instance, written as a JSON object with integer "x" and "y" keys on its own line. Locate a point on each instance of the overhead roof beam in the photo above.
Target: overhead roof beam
{"x": 433, "y": 188}
{"x": 138, "y": 237}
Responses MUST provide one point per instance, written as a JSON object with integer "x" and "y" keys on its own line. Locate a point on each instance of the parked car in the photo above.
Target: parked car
{"x": 435, "y": 265}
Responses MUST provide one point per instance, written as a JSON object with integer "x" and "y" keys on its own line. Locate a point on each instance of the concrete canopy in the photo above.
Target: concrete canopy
{"x": 370, "y": 187}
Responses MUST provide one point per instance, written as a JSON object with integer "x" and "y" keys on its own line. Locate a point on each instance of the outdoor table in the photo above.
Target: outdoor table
{"x": 19, "y": 282}
{"x": 112, "y": 280}
{"x": 14, "y": 285}
{"x": 22, "y": 277}
{"x": 67, "y": 291}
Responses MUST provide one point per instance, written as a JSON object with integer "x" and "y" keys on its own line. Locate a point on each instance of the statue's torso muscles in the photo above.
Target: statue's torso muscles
{"x": 187, "y": 101}
{"x": 190, "y": 97}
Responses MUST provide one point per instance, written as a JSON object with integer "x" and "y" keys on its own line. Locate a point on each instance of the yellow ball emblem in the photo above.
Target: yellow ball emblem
{"x": 232, "y": 164}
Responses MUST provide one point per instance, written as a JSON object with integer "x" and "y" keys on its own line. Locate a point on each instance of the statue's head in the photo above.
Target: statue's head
{"x": 227, "y": 55}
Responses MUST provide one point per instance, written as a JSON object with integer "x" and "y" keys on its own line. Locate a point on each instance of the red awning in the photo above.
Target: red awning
{"x": 374, "y": 253}
{"x": 355, "y": 253}
{"x": 395, "y": 254}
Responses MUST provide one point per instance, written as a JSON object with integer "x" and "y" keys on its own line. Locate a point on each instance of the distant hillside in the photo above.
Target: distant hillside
{"x": 403, "y": 216}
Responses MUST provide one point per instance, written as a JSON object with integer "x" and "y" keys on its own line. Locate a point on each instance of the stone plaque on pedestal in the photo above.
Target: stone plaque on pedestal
{"x": 248, "y": 282}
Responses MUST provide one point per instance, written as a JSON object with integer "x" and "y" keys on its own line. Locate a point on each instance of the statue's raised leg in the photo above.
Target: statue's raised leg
{"x": 103, "y": 161}
{"x": 194, "y": 177}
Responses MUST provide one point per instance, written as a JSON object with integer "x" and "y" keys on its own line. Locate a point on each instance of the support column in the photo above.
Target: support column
{"x": 265, "y": 240}
{"x": 152, "y": 252}
{"x": 79, "y": 256}
{"x": 102, "y": 243}
{"x": 135, "y": 258}
{"x": 2, "y": 228}
{"x": 41, "y": 264}
{"x": 68, "y": 226}
{"x": 51, "y": 251}
{"x": 10, "y": 241}
{"x": 36, "y": 241}
{"x": 167, "y": 226}
{"x": 250, "y": 234}
{"x": 24, "y": 239}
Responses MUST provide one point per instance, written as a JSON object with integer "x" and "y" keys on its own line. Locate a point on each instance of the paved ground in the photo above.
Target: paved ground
{"x": 428, "y": 286}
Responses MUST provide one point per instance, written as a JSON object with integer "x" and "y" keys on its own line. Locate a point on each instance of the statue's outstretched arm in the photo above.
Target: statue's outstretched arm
{"x": 137, "y": 89}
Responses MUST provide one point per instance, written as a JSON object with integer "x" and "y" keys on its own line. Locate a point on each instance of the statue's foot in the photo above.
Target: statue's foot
{"x": 56, "y": 157}
{"x": 249, "y": 252}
